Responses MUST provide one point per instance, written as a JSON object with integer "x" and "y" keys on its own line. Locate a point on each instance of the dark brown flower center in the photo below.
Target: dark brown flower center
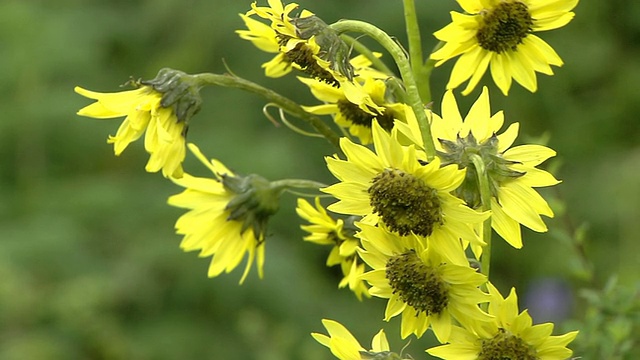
{"x": 405, "y": 203}
{"x": 357, "y": 116}
{"x": 303, "y": 56}
{"x": 504, "y": 27}
{"x": 416, "y": 283}
{"x": 506, "y": 346}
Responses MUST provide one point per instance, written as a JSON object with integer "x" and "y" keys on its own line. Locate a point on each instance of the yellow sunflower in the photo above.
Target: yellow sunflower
{"x": 509, "y": 336}
{"x": 345, "y": 346}
{"x": 357, "y": 118}
{"x": 397, "y": 187}
{"x": 422, "y": 282}
{"x": 512, "y": 170}
{"x": 227, "y": 216}
{"x": 303, "y": 42}
{"x": 164, "y": 133}
{"x": 265, "y": 38}
{"x": 499, "y": 34}
{"x": 325, "y": 230}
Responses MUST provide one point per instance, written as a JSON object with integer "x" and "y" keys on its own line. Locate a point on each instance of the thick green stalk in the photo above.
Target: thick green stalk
{"x": 420, "y": 72}
{"x": 286, "y": 104}
{"x": 485, "y": 197}
{"x": 399, "y": 56}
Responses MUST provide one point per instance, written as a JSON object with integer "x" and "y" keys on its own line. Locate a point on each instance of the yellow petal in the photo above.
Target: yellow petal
{"x": 501, "y": 73}
{"x": 530, "y": 155}
{"x": 550, "y": 55}
{"x": 481, "y": 68}
{"x": 506, "y": 139}
{"x": 554, "y": 21}
{"x": 465, "y": 66}
{"x": 505, "y": 226}
{"x": 522, "y": 70}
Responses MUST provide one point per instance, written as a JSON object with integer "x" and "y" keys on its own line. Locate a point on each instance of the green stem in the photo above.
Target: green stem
{"x": 399, "y": 56}
{"x": 485, "y": 197}
{"x": 296, "y": 184}
{"x": 415, "y": 51}
{"x": 286, "y": 104}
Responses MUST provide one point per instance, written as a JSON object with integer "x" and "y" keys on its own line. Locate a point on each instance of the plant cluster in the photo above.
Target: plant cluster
{"x": 418, "y": 194}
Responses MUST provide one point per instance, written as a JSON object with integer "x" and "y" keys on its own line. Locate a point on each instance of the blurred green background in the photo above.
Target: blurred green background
{"x": 90, "y": 267}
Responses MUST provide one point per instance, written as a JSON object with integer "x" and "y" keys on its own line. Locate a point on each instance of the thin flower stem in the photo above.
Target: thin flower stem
{"x": 420, "y": 72}
{"x": 485, "y": 197}
{"x": 287, "y": 184}
{"x": 286, "y": 104}
{"x": 399, "y": 56}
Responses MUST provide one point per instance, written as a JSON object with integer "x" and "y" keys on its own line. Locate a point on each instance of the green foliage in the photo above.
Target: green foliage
{"x": 611, "y": 324}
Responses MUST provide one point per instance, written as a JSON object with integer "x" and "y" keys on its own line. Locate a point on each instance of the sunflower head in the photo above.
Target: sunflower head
{"x": 498, "y": 168}
{"x": 505, "y": 345}
{"x": 397, "y": 187}
{"x": 339, "y": 233}
{"x": 500, "y": 36}
{"x": 302, "y": 41}
{"x": 512, "y": 171}
{"x": 161, "y": 117}
{"x": 422, "y": 281}
{"x": 510, "y": 335}
{"x": 227, "y": 215}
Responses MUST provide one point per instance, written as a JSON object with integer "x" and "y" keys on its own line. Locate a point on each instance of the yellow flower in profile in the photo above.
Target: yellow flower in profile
{"x": 357, "y": 118}
{"x": 164, "y": 133}
{"x": 308, "y": 44}
{"x": 395, "y": 186}
{"x": 509, "y": 336}
{"x": 498, "y": 34}
{"x": 227, "y": 216}
{"x": 512, "y": 171}
{"x": 304, "y": 42}
{"x": 296, "y": 53}
{"x": 422, "y": 282}
{"x": 345, "y": 346}
{"x": 325, "y": 230}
